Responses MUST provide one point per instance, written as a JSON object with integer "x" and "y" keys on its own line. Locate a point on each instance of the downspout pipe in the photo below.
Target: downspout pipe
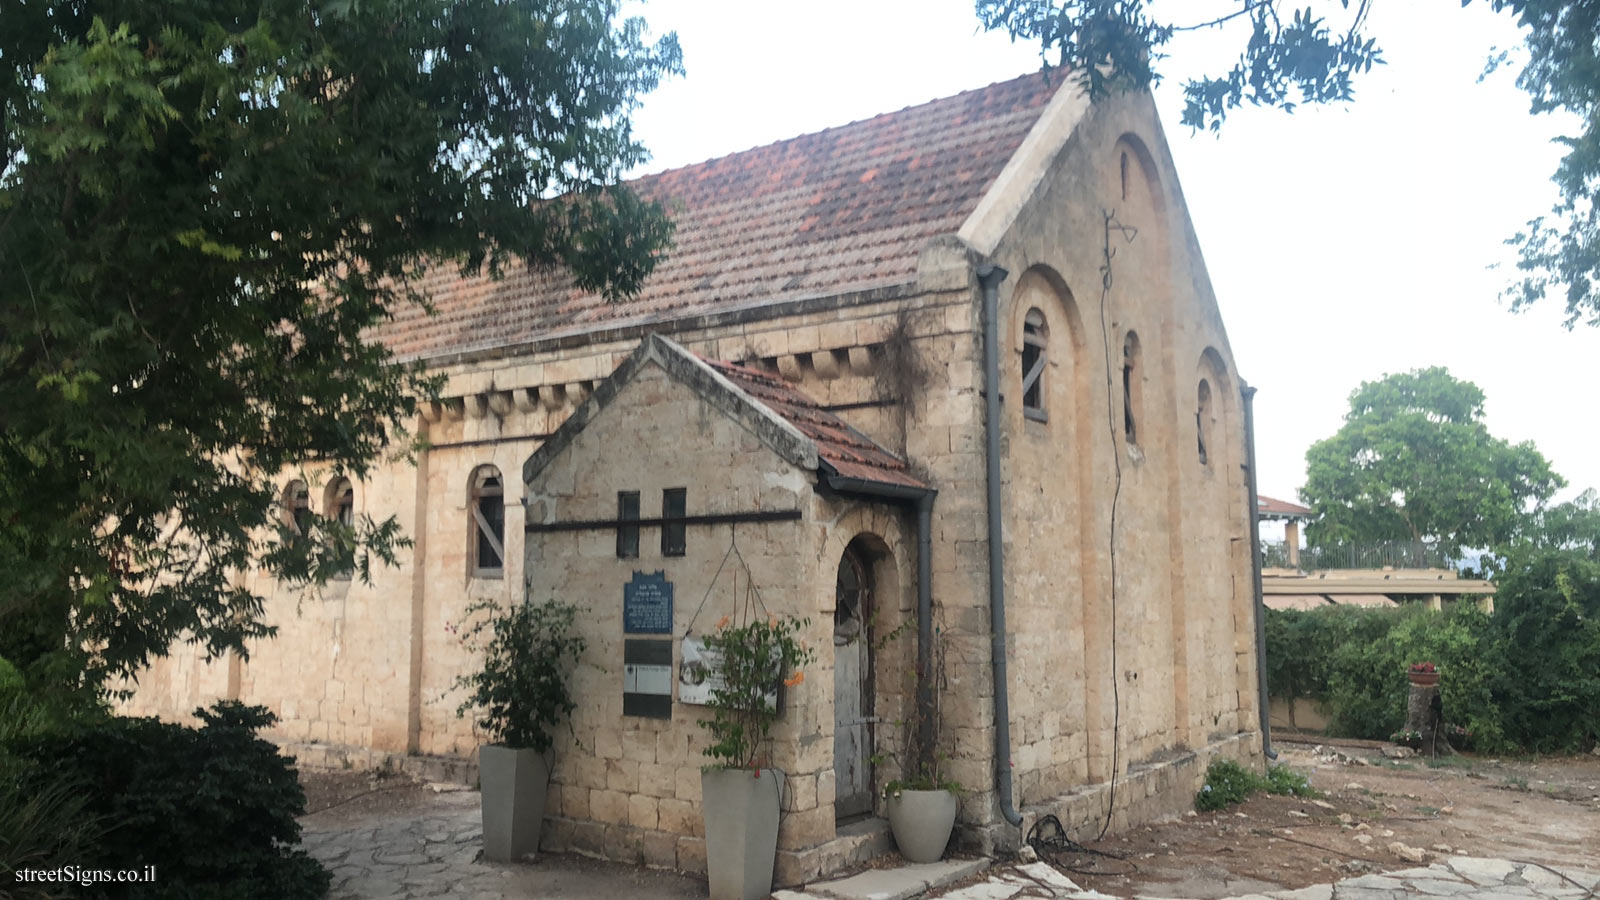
{"x": 1249, "y": 395}
{"x": 989, "y": 278}
{"x": 923, "y": 499}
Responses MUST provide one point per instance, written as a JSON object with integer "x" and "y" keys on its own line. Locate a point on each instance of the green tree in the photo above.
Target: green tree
{"x": 1415, "y": 462}
{"x": 1315, "y": 55}
{"x": 205, "y": 206}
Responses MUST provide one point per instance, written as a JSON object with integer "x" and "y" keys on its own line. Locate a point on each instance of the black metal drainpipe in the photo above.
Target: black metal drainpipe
{"x": 923, "y": 497}
{"x": 989, "y": 278}
{"x": 1249, "y": 394}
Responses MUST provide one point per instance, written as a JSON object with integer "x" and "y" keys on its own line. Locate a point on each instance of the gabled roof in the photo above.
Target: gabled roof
{"x": 789, "y": 422}
{"x": 841, "y": 449}
{"x": 840, "y": 210}
{"x": 1272, "y": 508}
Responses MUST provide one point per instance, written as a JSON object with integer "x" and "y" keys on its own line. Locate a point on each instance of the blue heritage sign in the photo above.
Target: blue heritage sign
{"x": 647, "y": 604}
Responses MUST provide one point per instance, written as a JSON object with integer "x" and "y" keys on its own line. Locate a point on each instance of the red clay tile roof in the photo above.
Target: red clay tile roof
{"x": 844, "y": 209}
{"x": 840, "y": 447}
{"x": 1282, "y": 508}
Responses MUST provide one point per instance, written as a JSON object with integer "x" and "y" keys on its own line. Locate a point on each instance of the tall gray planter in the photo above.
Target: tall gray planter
{"x": 741, "y": 814}
{"x": 512, "y": 783}
{"x": 922, "y": 822}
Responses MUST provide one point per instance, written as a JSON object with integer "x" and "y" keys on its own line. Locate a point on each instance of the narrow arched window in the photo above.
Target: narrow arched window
{"x": 1035, "y": 354}
{"x": 1130, "y": 388}
{"x": 296, "y": 505}
{"x": 487, "y": 528}
{"x": 1202, "y": 421}
{"x": 341, "y": 502}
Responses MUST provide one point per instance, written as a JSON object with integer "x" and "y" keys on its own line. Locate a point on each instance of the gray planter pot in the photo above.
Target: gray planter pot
{"x": 922, "y": 822}
{"x": 512, "y": 783}
{"x": 741, "y": 814}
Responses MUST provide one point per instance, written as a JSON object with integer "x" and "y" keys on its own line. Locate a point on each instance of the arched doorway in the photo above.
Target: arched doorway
{"x": 852, "y": 683}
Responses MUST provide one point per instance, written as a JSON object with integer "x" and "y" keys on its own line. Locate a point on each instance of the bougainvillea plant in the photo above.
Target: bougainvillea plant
{"x": 754, "y": 660}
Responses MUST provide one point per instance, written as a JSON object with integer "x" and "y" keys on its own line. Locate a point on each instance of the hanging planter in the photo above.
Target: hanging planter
{"x": 1423, "y": 674}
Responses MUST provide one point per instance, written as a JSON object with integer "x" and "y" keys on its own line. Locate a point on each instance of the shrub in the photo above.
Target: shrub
{"x": 43, "y": 825}
{"x": 1366, "y": 653}
{"x": 212, "y": 808}
{"x": 522, "y": 688}
{"x": 1228, "y": 783}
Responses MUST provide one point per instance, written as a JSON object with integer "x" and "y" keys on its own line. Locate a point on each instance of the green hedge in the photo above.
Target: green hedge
{"x": 1525, "y": 678}
{"x": 212, "y": 808}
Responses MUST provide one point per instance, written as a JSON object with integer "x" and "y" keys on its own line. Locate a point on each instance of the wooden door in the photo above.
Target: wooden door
{"x": 852, "y": 687}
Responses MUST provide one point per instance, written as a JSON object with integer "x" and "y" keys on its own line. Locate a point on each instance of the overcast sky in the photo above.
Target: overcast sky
{"x": 1344, "y": 243}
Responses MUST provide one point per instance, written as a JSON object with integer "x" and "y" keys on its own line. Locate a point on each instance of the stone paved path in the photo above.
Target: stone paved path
{"x": 434, "y": 854}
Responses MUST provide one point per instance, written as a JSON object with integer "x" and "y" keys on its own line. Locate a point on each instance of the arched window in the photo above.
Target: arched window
{"x": 1035, "y": 340}
{"x": 487, "y": 528}
{"x": 341, "y": 502}
{"x": 1202, "y": 421}
{"x": 296, "y": 505}
{"x": 1130, "y": 388}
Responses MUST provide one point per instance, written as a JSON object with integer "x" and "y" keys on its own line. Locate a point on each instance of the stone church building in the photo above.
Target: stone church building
{"x": 796, "y": 415}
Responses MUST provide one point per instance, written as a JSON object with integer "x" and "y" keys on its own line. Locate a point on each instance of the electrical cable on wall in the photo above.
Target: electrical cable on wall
{"x": 1116, "y": 457}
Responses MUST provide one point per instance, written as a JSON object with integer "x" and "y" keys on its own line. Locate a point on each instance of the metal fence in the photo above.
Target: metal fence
{"x": 1397, "y": 554}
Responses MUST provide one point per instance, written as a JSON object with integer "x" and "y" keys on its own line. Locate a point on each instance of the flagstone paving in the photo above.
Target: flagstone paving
{"x": 434, "y": 854}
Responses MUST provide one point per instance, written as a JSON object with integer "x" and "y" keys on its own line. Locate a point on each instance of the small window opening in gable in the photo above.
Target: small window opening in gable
{"x": 627, "y": 535}
{"x": 488, "y": 523}
{"x": 1035, "y": 343}
{"x": 1130, "y": 388}
{"x": 674, "y": 506}
{"x": 1124, "y": 174}
{"x": 297, "y": 507}
{"x": 1202, "y": 421}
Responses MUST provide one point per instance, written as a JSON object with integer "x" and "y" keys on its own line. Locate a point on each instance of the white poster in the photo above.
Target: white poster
{"x": 699, "y": 672}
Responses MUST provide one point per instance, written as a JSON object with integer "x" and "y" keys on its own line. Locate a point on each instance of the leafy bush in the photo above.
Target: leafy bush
{"x": 1228, "y": 783}
{"x": 42, "y": 825}
{"x": 522, "y": 689}
{"x": 1527, "y": 677}
{"x": 212, "y": 808}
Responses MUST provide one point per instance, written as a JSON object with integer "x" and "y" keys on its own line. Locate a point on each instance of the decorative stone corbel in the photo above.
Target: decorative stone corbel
{"x": 477, "y": 405}
{"x": 431, "y": 410}
{"x": 789, "y": 367}
{"x": 553, "y": 396}
{"x": 526, "y": 399}
{"x": 825, "y": 364}
{"x": 500, "y": 402}
{"x": 861, "y": 360}
{"x": 454, "y": 408}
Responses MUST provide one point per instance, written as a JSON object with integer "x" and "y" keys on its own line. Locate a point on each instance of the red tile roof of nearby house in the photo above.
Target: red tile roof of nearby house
{"x": 842, "y": 448}
{"x": 844, "y": 209}
{"x": 1270, "y": 506}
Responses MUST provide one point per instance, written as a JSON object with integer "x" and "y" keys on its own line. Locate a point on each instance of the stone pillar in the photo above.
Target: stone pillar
{"x": 1291, "y": 541}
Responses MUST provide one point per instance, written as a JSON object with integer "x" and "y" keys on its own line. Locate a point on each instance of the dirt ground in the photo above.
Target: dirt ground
{"x": 1540, "y": 810}
{"x": 1534, "y": 810}
{"x": 348, "y": 796}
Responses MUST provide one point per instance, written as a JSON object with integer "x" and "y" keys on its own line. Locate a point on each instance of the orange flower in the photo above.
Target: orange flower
{"x": 722, "y": 622}
{"x": 794, "y": 679}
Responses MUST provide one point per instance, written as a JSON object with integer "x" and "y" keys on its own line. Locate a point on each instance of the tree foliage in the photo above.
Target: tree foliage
{"x": 205, "y": 207}
{"x": 1292, "y": 56}
{"x": 1415, "y": 462}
